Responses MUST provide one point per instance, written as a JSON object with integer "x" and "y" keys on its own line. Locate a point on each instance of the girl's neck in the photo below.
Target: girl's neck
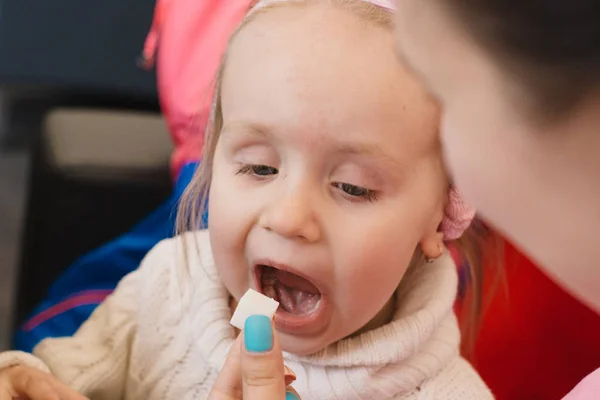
{"x": 383, "y": 317}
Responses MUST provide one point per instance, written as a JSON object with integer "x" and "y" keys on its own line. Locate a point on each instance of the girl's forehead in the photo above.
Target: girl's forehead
{"x": 317, "y": 26}
{"x": 323, "y": 70}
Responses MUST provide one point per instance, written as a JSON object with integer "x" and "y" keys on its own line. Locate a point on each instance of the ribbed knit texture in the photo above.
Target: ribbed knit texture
{"x": 164, "y": 334}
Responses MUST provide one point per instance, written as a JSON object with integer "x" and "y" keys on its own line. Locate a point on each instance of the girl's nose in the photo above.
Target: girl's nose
{"x": 291, "y": 216}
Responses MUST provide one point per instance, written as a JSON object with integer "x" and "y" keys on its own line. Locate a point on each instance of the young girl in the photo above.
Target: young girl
{"x": 320, "y": 195}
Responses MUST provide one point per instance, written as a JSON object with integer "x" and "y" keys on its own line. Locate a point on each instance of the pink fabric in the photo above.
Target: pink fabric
{"x": 458, "y": 216}
{"x": 588, "y": 389}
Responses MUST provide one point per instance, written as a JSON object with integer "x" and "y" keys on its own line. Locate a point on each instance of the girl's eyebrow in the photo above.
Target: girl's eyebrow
{"x": 370, "y": 150}
{"x": 342, "y": 147}
{"x": 249, "y": 129}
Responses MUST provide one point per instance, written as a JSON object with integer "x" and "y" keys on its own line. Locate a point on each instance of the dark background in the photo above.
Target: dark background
{"x": 75, "y": 53}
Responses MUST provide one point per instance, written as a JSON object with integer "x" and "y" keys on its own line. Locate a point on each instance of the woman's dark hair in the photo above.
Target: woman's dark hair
{"x": 551, "y": 47}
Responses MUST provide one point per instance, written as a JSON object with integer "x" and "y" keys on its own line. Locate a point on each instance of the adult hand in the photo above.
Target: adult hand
{"x": 22, "y": 382}
{"x": 254, "y": 368}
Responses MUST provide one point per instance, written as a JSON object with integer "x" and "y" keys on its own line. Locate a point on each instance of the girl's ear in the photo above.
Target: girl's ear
{"x": 432, "y": 245}
{"x": 432, "y": 242}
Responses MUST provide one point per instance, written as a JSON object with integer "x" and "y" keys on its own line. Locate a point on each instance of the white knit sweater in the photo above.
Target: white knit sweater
{"x": 164, "y": 334}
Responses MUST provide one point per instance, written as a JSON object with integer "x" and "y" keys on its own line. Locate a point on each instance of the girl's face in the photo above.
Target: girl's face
{"x": 538, "y": 183}
{"x": 321, "y": 190}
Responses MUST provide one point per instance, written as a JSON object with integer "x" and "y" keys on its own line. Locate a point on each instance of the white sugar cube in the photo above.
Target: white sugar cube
{"x": 253, "y": 303}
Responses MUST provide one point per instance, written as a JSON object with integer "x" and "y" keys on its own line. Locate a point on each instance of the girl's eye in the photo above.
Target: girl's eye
{"x": 257, "y": 169}
{"x": 356, "y": 191}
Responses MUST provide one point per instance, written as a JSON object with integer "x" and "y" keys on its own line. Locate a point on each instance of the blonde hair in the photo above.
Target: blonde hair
{"x": 194, "y": 200}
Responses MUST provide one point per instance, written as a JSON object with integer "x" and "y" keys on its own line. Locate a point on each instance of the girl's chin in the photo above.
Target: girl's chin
{"x": 304, "y": 346}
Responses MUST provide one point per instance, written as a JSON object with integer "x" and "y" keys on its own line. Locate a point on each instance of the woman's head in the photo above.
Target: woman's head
{"x": 519, "y": 85}
{"x": 314, "y": 173}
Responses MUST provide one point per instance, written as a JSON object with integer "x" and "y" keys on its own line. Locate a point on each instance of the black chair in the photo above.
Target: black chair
{"x": 94, "y": 173}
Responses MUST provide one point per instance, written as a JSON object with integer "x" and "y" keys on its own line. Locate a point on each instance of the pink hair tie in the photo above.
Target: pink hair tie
{"x": 458, "y": 216}
{"x": 387, "y": 4}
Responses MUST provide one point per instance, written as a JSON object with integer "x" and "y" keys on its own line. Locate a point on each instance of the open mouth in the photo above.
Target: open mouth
{"x": 296, "y": 295}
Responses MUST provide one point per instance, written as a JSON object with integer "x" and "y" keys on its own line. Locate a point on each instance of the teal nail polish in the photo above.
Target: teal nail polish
{"x": 258, "y": 335}
{"x": 291, "y": 396}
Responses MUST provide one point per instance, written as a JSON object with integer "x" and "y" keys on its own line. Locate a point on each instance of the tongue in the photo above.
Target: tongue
{"x": 296, "y": 302}
{"x": 295, "y": 294}
{"x": 293, "y": 281}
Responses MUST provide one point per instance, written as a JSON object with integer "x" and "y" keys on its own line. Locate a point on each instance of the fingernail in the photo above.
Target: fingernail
{"x": 258, "y": 334}
{"x": 291, "y": 396}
